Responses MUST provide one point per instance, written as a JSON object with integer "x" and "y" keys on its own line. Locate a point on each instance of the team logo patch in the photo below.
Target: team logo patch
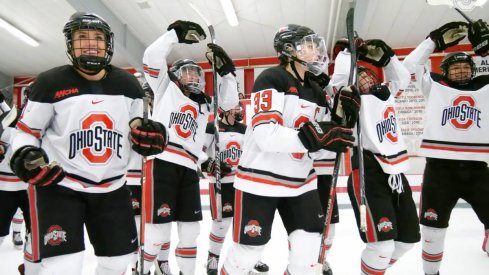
{"x": 135, "y": 204}
{"x": 232, "y": 153}
{"x": 387, "y": 127}
{"x": 293, "y": 90}
{"x": 385, "y": 225}
{"x": 253, "y": 228}
{"x": 97, "y": 140}
{"x": 164, "y": 210}
{"x": 185, "y": 121}
{"x": 55, "y": 235}
{"x": 227, "y": 207}
{"x": 64, "y": 93}
{"x": 430, "y": 214}
{"x": 462, "y": 114}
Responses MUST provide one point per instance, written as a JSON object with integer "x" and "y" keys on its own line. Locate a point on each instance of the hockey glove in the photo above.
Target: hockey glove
{"x": 448, "y": 35}
{"x": 30, "y": 164}
{"x": 209, "y": 166}
{"x": 188, "y": 32}
{"x": 381, "y": 91}
{"x": 224, "y": 64}
{"x": 479, "y": 37}
{"x": 378, "y": 53}
{"x": 325, "y": 135}
{"x": 346, "y": 104}
{"x": 343, "y": 44}
{"x": 148, "y": 138}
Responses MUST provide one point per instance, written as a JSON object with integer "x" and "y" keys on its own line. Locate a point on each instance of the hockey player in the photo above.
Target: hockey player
{"x": 392, "y": 221}
{"x": 275, "y": 171}
{"x": 454, "y": 136}
{"x": 172, "y": 185}
{"x": 72, "y": 147}
{"x": 231, "y": 135}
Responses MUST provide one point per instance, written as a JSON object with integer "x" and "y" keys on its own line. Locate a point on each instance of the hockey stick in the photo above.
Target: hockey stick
{"x": 142, "y": 221}
{"x": 216, "y": 118}
{"x": 339, "y": 156}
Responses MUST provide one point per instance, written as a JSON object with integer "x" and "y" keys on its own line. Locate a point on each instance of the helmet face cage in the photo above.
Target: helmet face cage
{"x": 190, "y": 75}
{"x": 91, "y": 64}
{"x": 454, "y": 58}
{"x": 366, "y": 80}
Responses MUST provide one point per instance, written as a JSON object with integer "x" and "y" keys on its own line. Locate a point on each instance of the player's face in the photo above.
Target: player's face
{"x": 461, "y": 71}
{"x": 190, "y": 75}
{"x": 89, "y": 42}
{"x": 365, "y": 82}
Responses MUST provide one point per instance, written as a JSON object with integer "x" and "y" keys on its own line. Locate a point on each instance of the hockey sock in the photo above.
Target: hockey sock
{"x": 376, "y": 257}
{"x": 154, "y": 236}
{"x": 1, "y": 239}
{"x": 31, "y": 268}
{"x": 164, "y": 253}
{"x": 115, "y": 265}
{"x": 303, "y": 252}
{"x": 17, "y": 221}
{"x": 241, "y": 259}
{"x": 329, "y": 241}
{"x": 433, "y": 242}
{"x": 186, "y": 251}
{"x": 217, "y": 235}
{"x": 400, "y": 249}
{"x": 485, "y": 243}
{"x": 137, "y": 219}
{"x": 65, "y": 264}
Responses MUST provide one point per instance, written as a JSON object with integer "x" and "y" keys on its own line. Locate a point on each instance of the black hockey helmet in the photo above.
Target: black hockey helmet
{"x": 182, "y": 69}
{"x": 290, "y": 40}
{"x": 458, "y": 57}
{"x": 88, "y": 21}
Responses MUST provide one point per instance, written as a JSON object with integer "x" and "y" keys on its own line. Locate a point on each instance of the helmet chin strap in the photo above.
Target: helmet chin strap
{"x": 292, "y": 65}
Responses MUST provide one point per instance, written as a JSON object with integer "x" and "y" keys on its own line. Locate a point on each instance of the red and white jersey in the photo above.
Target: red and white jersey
{"x": 231, "y": 139}
{"x": 133, "y": 176}
{"x": 381, "y": 133}
{"x": 274, "y": 162}
{"x": 8, "y": 180}
{"x": 324, "y": 160}
{"x": 185, "y": 117}
{"x": 83, "y": 125}
{"x": 457, "y": 124}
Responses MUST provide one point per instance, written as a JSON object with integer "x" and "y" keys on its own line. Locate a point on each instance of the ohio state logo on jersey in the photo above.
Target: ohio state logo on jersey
{"x": 253, "y": 228}
{"x": 164, "y": 210}
{"x": 185, "y": 121}
{"x": 232, "y": 153}
{"x": 387, "y": 128}
{"x": 385, "y": 225}
{"x": 227, "y": 207}
{"x": 462, "y": 114}
{"x": 97, "y": 139}
{"x": 55, "y": 235}
{"x": 135, "y": 203}
{"x": 430, "y": 214}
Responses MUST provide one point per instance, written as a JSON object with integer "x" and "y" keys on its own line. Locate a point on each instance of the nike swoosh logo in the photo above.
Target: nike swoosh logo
{"x": 96, "y": 101}
{"x": 134, "y": 240}
{"x": 304, "y": 106}
{"x": 320, "y": 216}
{"x": 196, "y": 212}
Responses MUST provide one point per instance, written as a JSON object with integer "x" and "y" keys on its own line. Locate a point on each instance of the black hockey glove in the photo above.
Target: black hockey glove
{"x": 343, "y": 44}
{"x": 381, "y": 91}
{"x": 479, "y": 37}
{"x": 148, "y": 138}
{"x": 188, "y": 32}
{"x": 30, "y": 164}
{"x": 322, "y": 79}
{"x": 209, "y": 166}
{"x": 448, "y": 35}
{"x": 378, "y": 53}
{"x": 325, "y": 135}
{"x": 224, "y": 64}
{"x": 347, "y": 103}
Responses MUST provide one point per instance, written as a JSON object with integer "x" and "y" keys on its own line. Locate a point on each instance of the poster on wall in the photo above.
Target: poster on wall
{"x": 410, "y": 107}
{"x": 482, "y": 65}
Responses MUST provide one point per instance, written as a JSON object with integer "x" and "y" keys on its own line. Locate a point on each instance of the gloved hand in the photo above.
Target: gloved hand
{"x": 448, "y": 35}
{"x": 378, "y": 53}
{"x": 347, "y": 103}
{"x": 343, "y": 44}
{"x": 187, "y": 32}
{"x": 322, "y": 79}
{"x": 325, "y": 135}
{"x": 209, "y": 166}
{"x": 30, "y": 164}
{"x": 224, "y": 64}
{"x": 148, "y": 138}
{"x": 479, "y": 37}
{"x": 381, "y": 91}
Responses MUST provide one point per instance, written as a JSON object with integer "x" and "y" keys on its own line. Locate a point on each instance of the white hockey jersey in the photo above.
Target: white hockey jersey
{"x": 381, "y": 133}
{"x": 83, "y": 125}
{"x": 231, "y": 139}
{"x": 8, "y": 180}
{"x": 184, "y": 117}
{"x": 456, "y": 123}
{"x": 274, "y": 162}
